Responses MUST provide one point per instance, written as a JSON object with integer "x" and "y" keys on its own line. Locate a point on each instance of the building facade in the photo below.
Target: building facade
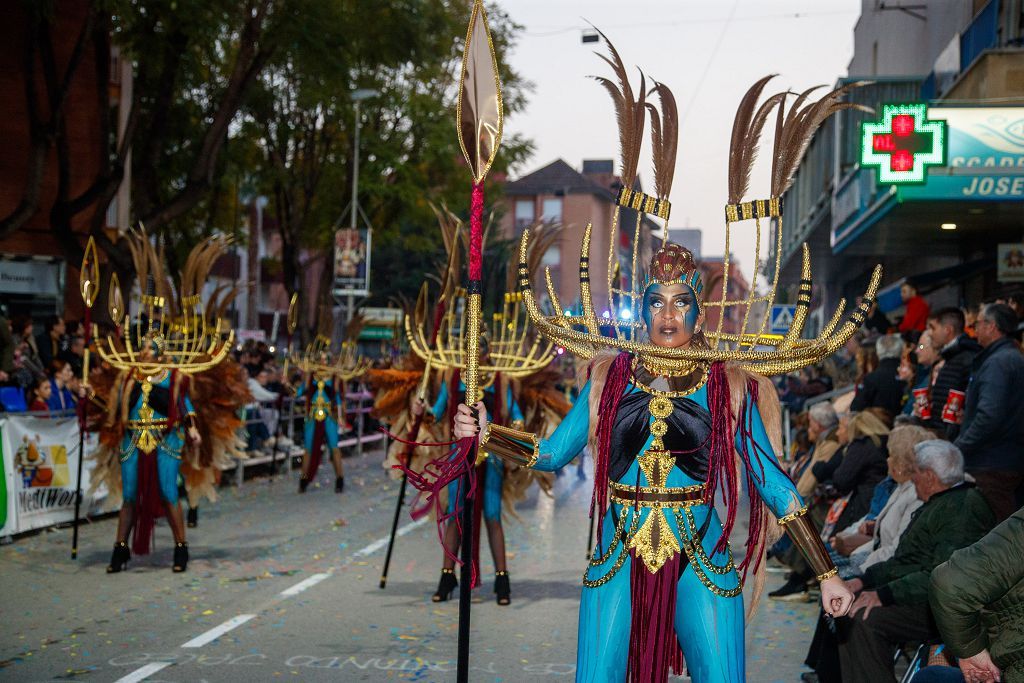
{"x": 964, "y": 60}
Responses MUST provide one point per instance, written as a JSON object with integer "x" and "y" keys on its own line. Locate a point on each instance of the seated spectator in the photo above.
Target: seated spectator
{"x": 6, "y": 350}
{"x": 957, "y": 351}
{"x": 892, "y": 605}
{"x": 822, "y": 425}
{"x": 873, "y": 539}
{"x": 852, "y": 474}
{"x": 992, "y": 438}
{"x": 61, "y": 395}
{"x": 49, "y": 343}
{"x": 976, "y": 597}
{"x": 38, "y": 396}
{"x": 916, "y": 315}
{"x": 256, "y": 423}
{"x": 882, "y": 388}
{"x": 75, "y": 354}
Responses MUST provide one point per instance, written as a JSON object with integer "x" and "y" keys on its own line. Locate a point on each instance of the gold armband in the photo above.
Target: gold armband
{"x": 806, "y": 537}
{"x": 511, "y": 445}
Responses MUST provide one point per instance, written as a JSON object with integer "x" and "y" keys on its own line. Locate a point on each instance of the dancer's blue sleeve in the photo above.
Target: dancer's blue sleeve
{"x": 569, "y": 438}
{"x": 441, "y": 404}
{"x": 514, "y": 412}
{"x": 776, "y": 488}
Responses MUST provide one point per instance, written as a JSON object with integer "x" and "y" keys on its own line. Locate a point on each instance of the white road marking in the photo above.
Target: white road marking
{"x": 143, "y": 673}
{"x": 304, "y": 584}
{"x": 381, "y": 542}
{"x": 215, "y": 633}
{"x": 218, "y": 631}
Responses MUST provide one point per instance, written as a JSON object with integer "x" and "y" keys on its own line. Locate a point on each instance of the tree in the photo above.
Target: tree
{"x": 410, "y": 53}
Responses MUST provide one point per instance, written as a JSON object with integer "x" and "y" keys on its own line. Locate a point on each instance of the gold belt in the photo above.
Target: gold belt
{"x": 657, "y": 496}
{"x": 147, "y": 424}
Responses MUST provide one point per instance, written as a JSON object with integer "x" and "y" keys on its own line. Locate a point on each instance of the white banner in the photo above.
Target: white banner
{"x": 40, "y": 461}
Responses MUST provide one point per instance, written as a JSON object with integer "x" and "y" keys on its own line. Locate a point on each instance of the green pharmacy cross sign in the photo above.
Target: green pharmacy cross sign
{"x": 903, "y": 144}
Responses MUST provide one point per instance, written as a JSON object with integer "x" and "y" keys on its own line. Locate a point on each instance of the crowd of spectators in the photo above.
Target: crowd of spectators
{"x": 41, "y": 372}
{"x": 913, "y": 467}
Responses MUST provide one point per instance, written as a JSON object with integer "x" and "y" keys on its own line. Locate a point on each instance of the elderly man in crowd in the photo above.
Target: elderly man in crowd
{"x": 882, "y": 388}
{"x": 892, "y": 605}
{"x": 992, "y": 437}
{"x": 976, "y": 598}
{"x": 957, "y": 351}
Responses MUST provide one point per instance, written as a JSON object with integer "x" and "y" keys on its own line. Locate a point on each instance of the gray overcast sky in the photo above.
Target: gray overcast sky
{"x": 708, "y": 52}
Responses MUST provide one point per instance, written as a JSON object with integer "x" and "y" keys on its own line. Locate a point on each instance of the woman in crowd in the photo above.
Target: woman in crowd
{"x": 856, "y": 469}
{"x": 874, "y": 539}
{"x": 39, "y": 395}
{"x": 62, "y": 397}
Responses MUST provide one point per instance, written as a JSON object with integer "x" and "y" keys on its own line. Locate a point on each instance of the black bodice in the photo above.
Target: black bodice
{"x": 159, "y": 398}
{"x": 688, "y": 437}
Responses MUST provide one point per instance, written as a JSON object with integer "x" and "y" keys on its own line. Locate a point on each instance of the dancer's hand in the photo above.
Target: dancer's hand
{"x": 418, "y": 406}
{"x": 194, "y": 436}
{"x": 466, "y": 424}
{"x": 836, "y": 597}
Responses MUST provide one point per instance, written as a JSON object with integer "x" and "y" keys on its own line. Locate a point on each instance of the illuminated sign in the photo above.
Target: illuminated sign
{"x": 903, "y": 144}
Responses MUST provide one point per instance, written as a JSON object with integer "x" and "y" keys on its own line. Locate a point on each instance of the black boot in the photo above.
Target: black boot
{"x": 193, "y": 518}
{"x": 119, "y": 558}
{"x": 446, "y": 586}
{"x": 339, "y": 484}
{"x": 180, "y": 557}
{"x": 303, "y": 484}
{"x": 502, "y": 588}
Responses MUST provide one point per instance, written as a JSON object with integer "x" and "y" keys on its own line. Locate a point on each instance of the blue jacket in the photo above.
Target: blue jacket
{"x": 992, "y": 434}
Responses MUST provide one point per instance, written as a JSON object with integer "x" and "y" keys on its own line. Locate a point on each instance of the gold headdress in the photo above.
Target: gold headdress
{"x": 751, "y": 347}
{"x": 173, "y": 322}
{"x": 319, "y": 359}
{"x": 514, "y": 349}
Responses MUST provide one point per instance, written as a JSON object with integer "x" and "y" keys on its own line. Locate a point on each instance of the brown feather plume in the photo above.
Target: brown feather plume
{"x": 664, "y": 138}
{"x": 629, "y": 111}
{"x": 799, "y": 126}
{"x": 742, "y": 142}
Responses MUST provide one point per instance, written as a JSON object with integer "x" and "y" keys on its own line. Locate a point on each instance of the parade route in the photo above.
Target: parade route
{"x": 286, "y": 586}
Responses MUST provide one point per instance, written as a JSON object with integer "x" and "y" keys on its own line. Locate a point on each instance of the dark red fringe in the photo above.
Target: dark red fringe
{"x": 653, "y": 646}
{"x": 148, "y": 505}
{"x": 615, "y": 384}
{"x": 725, "y": 441}
{"x": 319, "y": 440}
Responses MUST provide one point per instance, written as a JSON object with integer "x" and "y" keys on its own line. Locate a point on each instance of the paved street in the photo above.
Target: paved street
{"x": 289, "y": 583}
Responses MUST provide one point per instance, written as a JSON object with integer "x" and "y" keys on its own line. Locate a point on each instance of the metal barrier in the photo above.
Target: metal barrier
{"x": 356, "y": 405}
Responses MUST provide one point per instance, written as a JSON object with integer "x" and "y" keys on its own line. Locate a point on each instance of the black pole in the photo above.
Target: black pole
{"x": 590, "y": 536}
{"x": 78, "y": 479}
{"x": 394, "y": 529}
{"x": 465, "y": 577}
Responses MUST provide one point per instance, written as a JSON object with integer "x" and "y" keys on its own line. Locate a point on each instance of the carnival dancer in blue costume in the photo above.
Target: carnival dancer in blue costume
{"x": 154, "y": 372}
{"x": 498, "y": 397}
{"x": 664, "y": 443}
{"x": 324, "y": 395}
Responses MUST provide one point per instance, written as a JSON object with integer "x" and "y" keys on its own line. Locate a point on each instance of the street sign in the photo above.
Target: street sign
{"x": 903, "y": 144}
{"x": 782, "y": 318}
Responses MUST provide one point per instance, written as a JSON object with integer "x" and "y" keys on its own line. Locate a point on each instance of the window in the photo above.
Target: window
{"x": 552, "y": 212}
{"x": 524, "y": 213}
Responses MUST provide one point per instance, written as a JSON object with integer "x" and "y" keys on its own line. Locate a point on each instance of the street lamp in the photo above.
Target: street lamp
{"x": 357, "y": 97}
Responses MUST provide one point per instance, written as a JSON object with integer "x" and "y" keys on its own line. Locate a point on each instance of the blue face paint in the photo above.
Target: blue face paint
{"x": 690, "y": 314}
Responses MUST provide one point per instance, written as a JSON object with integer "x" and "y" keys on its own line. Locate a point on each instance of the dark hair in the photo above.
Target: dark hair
{"x": 19, "y": 323}
{"x": 910, "y": 282}
{"x": 1016, "y": 298}
{"x": 1002, "y": 316}
{"x": 56, "y": 365}
{"x": 52, "y": 322}
{"x": 951, "y": 316}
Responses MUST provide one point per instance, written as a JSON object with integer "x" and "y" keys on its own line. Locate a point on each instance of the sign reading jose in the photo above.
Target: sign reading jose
{"x": 984, "y": 159}
{"x": 40, "y": 458}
